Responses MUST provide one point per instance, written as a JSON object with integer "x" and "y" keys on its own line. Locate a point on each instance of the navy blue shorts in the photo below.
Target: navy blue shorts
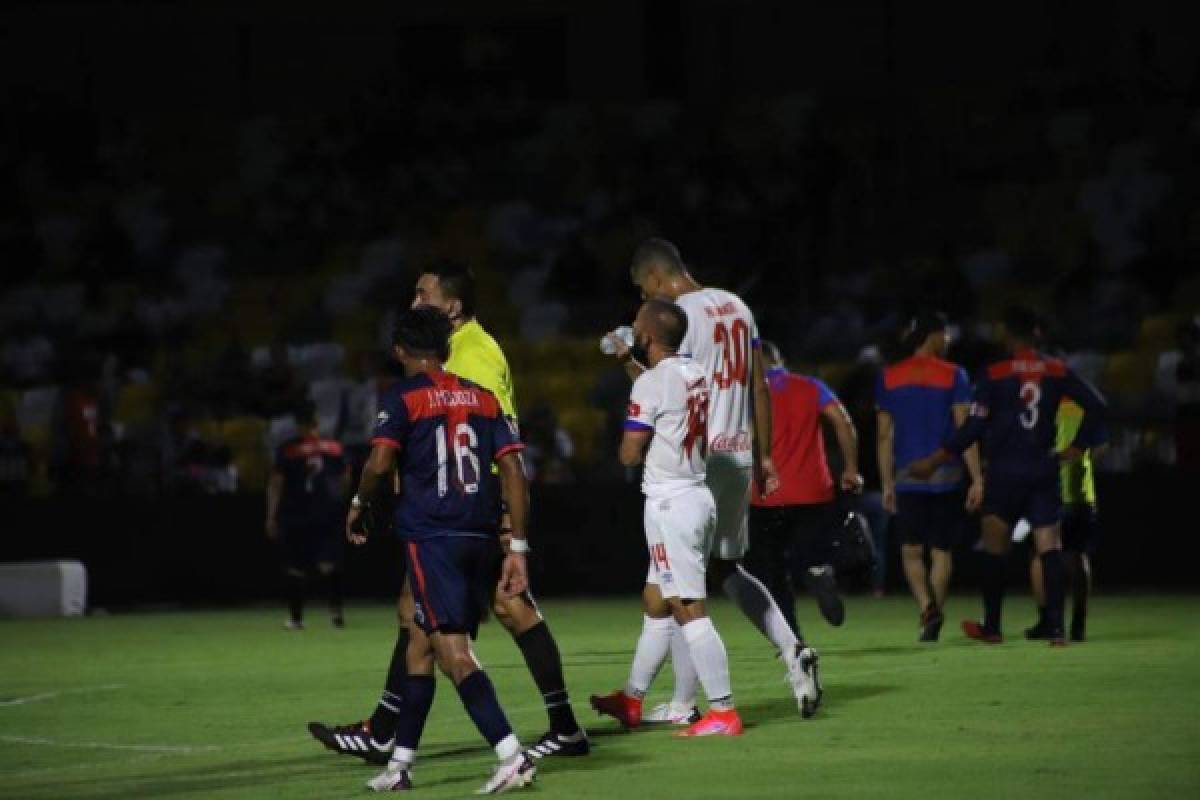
{"x": 305, "y": 546}
{"x": 452, "y": 580}
{"x": 1079, "y": 527}
{"x": 1038, "y": 501}
{"x": 933, "y": 519}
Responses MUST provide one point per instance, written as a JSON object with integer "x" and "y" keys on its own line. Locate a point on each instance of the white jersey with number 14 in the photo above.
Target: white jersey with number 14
{"x": 720, "y": 337}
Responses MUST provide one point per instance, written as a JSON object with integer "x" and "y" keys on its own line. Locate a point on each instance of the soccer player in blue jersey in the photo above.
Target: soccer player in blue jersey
{"x": 920, "y": 401}
{"x": 442, "y": 433}
{"x": 305, "y": 497}
{"x": 1013, "y": 414}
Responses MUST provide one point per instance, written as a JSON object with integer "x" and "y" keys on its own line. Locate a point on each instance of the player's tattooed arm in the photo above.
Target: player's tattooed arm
{"x": 376, "y": 471}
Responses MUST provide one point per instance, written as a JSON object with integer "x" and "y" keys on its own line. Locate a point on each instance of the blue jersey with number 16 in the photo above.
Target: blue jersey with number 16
{"x": 448, "y": 432}
{"x": 1013, "y": 412}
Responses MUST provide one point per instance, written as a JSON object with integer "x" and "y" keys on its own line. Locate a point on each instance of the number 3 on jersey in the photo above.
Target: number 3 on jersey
{"x": 465, "y": 461}
{"x": 735, "y": 347}
{"x": 1031, "y": 395}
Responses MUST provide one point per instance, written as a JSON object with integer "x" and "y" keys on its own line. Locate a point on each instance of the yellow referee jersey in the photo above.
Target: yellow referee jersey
{"x": 474, "y": 355}
{"x": 1078, "y": 478}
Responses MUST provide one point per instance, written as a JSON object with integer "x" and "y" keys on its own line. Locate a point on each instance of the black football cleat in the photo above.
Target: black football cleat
{"x": 555, "y": 744}
{"x": 352, "y": 740}
{"x": 931, "y": 624}
{"x": 821, "y": 583}
{"x": 1038, "y": 631}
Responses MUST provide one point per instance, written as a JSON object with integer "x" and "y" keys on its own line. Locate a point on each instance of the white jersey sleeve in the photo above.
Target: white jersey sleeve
{"x": 671, "y": 400}
{"x": 721, "y": 337}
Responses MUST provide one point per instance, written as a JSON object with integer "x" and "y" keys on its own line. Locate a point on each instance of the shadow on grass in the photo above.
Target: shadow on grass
{"x": 215, "y": 779}
{"x": 784, "y": 708}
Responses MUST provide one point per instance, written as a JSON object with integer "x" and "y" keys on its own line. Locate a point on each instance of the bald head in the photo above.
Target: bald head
{"x": 659, "y": 329}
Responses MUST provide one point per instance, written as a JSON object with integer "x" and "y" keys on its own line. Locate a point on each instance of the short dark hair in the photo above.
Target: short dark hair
{"x": 656, "y": 252}
{"x": 921, "y": 325}
{"x": 456, "y": 280}
{"x": 423, "y": 331}
{"x": 1022, "y": 323}
{"x": 669, "y": 321}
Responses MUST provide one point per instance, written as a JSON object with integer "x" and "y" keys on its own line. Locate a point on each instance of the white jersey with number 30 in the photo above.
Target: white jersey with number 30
{"x": 721, "y": 337}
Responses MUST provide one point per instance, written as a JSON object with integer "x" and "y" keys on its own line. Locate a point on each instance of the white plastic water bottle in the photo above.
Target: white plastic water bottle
{"x": 624, "y": 334}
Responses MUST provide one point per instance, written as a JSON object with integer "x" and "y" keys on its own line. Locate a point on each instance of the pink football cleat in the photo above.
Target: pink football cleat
{"x": 715, "y": 723}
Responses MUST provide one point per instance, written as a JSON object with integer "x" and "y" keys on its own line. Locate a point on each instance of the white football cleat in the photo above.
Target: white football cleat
{"x": 512, "y": 774}
{"x": 803, "y": 676}
{"x": 671, "y": 714}
{"x": 391, "y": 780}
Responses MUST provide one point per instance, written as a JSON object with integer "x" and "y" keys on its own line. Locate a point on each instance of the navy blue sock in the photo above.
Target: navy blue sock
{"x": 418, "y": 699}
{"x": 993, "y": 591}
{"x": 479, "y": 699}
{"x": 1054, "y": 580}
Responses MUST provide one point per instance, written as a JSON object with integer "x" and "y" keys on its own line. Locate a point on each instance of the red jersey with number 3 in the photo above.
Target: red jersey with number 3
{"x": 1013, "y": 413}
{"x": 721, "y": 338}
{"x": 448, "y": 432}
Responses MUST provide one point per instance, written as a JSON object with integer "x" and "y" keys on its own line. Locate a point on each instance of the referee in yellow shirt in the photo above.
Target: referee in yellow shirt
{"x": 1080, "y": 524}
{"x": 476, "y": 356}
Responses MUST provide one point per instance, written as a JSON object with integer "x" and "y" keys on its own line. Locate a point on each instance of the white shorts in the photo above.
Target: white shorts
{"x": 679, "y": 535}
{"x": 730, "y": 486}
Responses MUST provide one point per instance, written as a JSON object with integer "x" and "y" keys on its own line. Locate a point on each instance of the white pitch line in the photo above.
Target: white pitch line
{"x": 37, "y": 698}
{"x": 137, "y": 748}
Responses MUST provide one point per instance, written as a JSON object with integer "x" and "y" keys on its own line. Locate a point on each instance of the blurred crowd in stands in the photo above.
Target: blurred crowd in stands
{"x": 174, "y": 292}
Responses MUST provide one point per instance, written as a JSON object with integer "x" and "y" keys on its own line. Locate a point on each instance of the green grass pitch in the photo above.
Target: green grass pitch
{"x": 214, "y": 705}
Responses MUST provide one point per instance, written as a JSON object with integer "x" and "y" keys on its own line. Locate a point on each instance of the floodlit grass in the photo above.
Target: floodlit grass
{"x": 214, "y": 704}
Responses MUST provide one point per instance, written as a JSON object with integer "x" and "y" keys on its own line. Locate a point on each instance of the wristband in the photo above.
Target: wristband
{"x": 518, "y": 546}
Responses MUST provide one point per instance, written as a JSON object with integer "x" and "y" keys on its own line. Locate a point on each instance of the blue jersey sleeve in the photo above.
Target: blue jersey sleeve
{"x": 505, "y": 437}
{"x": 960, "y": 392}
{"x": 825, "y": 395}
{"x": 392, "y": 425}
{"x": 972, "y": 430}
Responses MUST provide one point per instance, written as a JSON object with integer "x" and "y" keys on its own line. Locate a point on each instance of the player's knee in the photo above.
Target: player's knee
{"x": 457, "y": 666}
{"x": 516, "y": 614}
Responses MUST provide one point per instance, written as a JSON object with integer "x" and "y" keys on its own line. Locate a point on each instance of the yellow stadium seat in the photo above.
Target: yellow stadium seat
{"x": 253, "y": 467}
{"x": 244, "y": 433}
{"x": 136, "y": 404}
{"x": 586, "y": 426}
{"x": 1129, "y": 373}
{"x": 1157, "y": 333}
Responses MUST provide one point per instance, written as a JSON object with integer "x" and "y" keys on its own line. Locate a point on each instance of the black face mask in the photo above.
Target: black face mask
{"x": 638, "y": 351}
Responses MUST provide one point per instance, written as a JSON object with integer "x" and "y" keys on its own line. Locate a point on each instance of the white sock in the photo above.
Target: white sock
{"x": 651, "y": 652}
{"x": 508, "y": 748}
{"x": 757, "y": 604}
{"x": 402, "y": 758}
{"x": 712, "y": 663}
{"x": 686, "y": 679}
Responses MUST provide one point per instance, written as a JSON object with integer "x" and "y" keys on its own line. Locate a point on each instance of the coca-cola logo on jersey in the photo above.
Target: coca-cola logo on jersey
{"x": 730, "y": 443}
